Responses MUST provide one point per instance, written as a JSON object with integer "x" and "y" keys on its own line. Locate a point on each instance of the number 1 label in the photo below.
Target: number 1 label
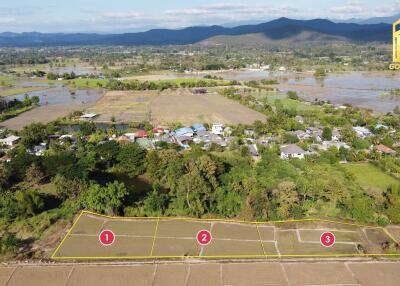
{"x": 107, "y": 237}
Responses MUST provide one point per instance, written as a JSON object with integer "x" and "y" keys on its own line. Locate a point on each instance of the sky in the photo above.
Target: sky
{"x": 118, "y": 16}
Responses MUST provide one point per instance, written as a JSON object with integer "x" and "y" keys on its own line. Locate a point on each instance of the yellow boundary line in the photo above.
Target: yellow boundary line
{"x": 261, "y": 240}
{"x": 68, "y": 233}
{"x": 264, "y": 255}
{"x": 390, "y": 235}
{"x": 154, "y": 238}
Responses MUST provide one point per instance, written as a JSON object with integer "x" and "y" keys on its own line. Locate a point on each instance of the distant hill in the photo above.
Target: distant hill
{"x": 276, "y": 30}
{"x": 259, "y": 39}
{"x": 377, "y": 20}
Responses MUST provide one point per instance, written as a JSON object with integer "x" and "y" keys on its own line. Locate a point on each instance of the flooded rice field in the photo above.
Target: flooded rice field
{"x": 358, "y": 89}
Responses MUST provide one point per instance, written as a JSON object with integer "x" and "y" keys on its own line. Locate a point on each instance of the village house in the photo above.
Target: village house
{"x": 185, "y": 131}
{"x": 141, "y": 134}
{"x": 315, "y": 132}
{"x": 336, "y": 136}
{"x": 130, "y": 136}
{"x": 158, "y": 131}
{"x": 198, "y": 127}
{"x": 184, "y": 140}
{"x": 385, "y": 150}
{"x": 328, "y": 144}
{"x": 217, "y": 129}
{"x": 300, "y": 134}
{"x": 228, "y": 131}
{"x": 291, "y": 151}
{"x": 38, "y": 150}
{"x": 167, "y": 138}
{"x": 123, "y": 139}
{"x": 249, "y": 132}
{"x": 88, "y": 116}
{"x": 10, "y": 141}
{"x": 362, "y": 132}
{"x": 67, "y": 137}
{"x": 253, "y": 150}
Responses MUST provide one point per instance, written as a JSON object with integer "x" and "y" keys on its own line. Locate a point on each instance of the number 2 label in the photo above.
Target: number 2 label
{"x": 204, "y": 237}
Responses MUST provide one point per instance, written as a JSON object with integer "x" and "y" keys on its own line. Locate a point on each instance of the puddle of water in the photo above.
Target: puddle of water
{"x": 61, "y": 96}
{"x": 359, "y": 89}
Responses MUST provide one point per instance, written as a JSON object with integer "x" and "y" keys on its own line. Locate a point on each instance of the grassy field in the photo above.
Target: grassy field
{"x": 172, "y": 106}
{"x": 272, "y": 97}
{"x": 21, "y": 90}
{"x": 84, "y": 83}
{"x": 367, "y": 175}
{"x": 14, "y": 113}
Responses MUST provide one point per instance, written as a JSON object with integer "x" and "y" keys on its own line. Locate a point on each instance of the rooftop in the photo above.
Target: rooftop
{"x": 292, "y": 149}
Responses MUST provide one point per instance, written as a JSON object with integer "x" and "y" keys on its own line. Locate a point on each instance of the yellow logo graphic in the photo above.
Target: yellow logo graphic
{"x": 396, "y": 41}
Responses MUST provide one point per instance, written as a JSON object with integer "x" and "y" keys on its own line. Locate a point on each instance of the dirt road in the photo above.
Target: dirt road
{"x": 333, "y": 273}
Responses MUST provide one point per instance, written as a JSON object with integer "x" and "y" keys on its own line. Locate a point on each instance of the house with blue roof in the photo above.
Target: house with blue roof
{"x": 186, "y": 131}
{"x": 198, "y": 127}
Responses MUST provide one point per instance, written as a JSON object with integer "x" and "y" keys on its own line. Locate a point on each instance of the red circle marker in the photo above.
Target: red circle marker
{"x": 107, "y": 237}
{"x": 204, "y": 237}
{"x": 327, "y": 239}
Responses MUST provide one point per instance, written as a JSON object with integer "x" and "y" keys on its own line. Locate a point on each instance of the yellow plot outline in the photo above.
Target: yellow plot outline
{"x": 252, "y": 256}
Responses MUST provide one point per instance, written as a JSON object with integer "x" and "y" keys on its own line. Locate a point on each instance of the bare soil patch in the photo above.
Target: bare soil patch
{"x": 172, "y": 106}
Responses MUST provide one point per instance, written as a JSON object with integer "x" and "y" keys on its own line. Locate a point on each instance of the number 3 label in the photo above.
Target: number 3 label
{"x": 204, "y": 237}
{"x": 327, "y": 239}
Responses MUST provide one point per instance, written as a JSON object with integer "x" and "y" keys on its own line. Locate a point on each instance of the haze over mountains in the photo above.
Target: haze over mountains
{"x": 282, "y": 29}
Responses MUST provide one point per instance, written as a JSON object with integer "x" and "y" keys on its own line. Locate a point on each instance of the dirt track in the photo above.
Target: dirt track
{"x": 367, "y": 273}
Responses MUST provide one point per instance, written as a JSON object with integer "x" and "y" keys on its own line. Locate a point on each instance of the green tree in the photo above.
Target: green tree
{"x": 392, "y": 204}
{"x": 108, "y": 199}
{"x": 34, "y": 174}
{"x": 68, "y": 188}
{"x": 327, "y": 134}
{"x": 131, "y": 159}
{"x": 287, "y": 198}
{"x": 320, "y": 72}
{"x": 33, "y": 134}
{"x": 9, "y": 244}
{"x": 155, "y": 203}
{"x": 29, "y": 202}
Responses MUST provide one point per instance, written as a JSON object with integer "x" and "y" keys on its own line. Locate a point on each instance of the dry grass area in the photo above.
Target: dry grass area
{"x": 171, "y": 107}
{"x": 176, "y": 238}
{"x": 43, "y": 114}
{"x": 126, "y": 106}
{"x": 322, "y": 273}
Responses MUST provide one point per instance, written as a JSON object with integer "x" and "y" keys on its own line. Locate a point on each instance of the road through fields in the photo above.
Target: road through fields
{"x": 332, "y": 273}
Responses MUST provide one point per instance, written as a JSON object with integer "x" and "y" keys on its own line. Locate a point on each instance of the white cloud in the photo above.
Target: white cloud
{"x": 217, "y": 13}
{"x": 357, "y": 9}
{"x": 123, "y": 15}
{"x": 7, "y": 20}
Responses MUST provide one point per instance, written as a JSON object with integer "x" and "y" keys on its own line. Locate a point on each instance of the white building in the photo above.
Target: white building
{"x": 217, "y": 129}
{"x": 89, "y": 116}
{"x": 10, "y": 141}
{"x": 328, "y": 144}
{"x": 292, "y": 151}
{"x": 362, "y": 132}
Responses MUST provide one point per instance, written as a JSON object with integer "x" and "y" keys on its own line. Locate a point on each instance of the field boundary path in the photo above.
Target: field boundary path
{"x": 177, "y": 238}
{"x": 334, "y": 273}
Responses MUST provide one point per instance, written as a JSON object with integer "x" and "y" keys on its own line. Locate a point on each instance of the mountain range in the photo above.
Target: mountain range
{"x": 276, "y": 30}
